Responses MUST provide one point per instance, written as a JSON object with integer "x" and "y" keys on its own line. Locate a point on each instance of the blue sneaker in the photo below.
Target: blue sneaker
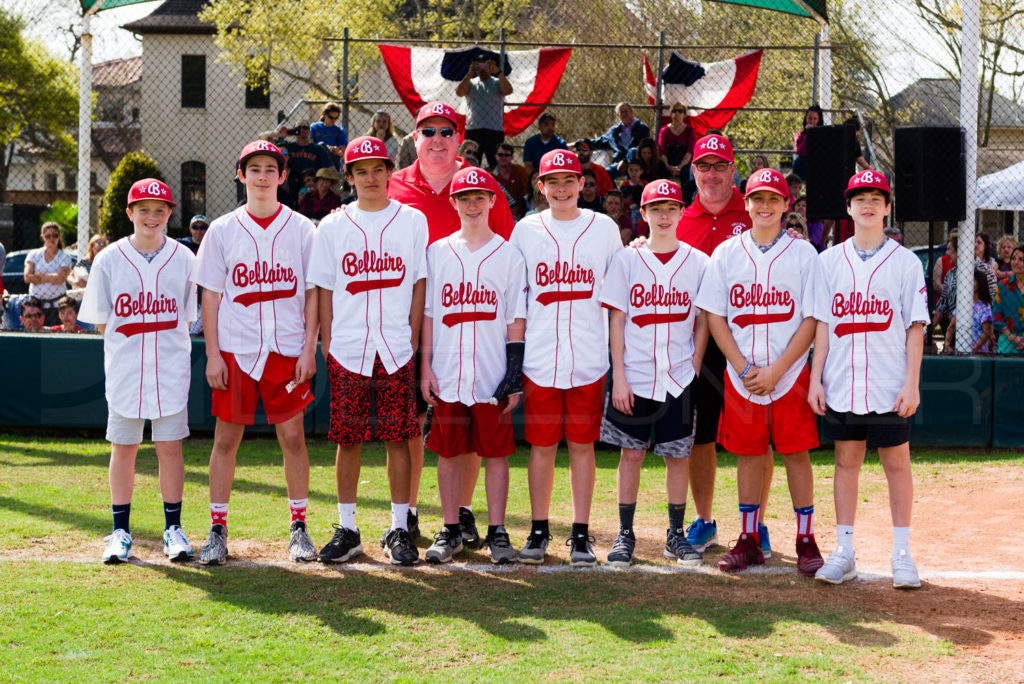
{"x": 119, "y": 548}
{"x": 702, "y": 535}
{"x": 766, "y": 546}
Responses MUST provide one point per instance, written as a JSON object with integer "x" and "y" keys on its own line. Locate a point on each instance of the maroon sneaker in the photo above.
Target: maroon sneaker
{"x": 808, "y": 558}
{"x": 746, "y": 551}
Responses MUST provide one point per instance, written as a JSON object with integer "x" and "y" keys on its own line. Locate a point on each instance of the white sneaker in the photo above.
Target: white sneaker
{"x": 176, "y": 546}
{"x": 120, "y": 547}
{"x": 904, "y": 572}
{"x": 839, "y": 567}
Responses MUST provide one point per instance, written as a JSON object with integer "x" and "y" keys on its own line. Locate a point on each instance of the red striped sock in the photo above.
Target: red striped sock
{"x": 748, "y": 519}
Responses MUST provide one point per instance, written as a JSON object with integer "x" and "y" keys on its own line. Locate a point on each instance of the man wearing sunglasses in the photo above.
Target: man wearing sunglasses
{"x": 197, "y": 229}
{"x": 426, "y": 185}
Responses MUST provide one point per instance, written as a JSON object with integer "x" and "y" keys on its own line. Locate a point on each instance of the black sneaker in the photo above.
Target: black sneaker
{"x": 534, "y": 549}
{"x": 399, "y": 547}
{"x": 413, "y": 524}
{"x": 345, "y": 544}
{"x": 581, "y": 553}
{"x": 677, "y": 546}
{"x": 621, "y": 555}
{"x": 467, "y": 523}
{"x": 446, "y": 544}
{"x": 500, "y": 546}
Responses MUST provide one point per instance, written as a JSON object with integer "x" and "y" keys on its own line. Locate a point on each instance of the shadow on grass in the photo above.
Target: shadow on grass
{"x": 515, "y": 605}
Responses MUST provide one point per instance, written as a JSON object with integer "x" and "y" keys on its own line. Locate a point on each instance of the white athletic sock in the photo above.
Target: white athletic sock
{"x": 347, "y": 515}
{"x": 844, "y": 539}
{"x": 468, "y": 508}
{"x": 900, "y": 539}
{"x": 400, "y": 516}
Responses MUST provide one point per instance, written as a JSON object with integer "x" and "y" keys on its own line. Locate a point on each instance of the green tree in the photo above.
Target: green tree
{"x": 38, "y": 99}
{"x": 134, "y": 166}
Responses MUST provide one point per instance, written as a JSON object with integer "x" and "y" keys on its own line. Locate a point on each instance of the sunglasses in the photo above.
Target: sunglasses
{"x": 796, "y": 226}
{"x": 51, "y": 235}
{"x": 199, "y": 226}
{"x": 35, "y": 315}
{"x": 717, "y": 166}
{"x": 429, "y": 132}
{"x": 503, "y": 154}
{"x": 331, "y": 117}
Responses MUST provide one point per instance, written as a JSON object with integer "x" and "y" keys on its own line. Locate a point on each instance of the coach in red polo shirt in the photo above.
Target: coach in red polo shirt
{"x": 425, "y": 185}
{"x": 717, "y": 214}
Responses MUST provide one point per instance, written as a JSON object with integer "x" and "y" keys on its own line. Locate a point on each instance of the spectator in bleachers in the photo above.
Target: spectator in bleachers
{"x": 945, "y": 264}
{"x": 322, "y": 200}
{"x": 583, "y": 150}
{"x": 795, "y": 183}
{"x": 328, "y": 133}
{"x": 945, "y": 275}
{"x": 983, "y": 259}
{"x": 654, "y": 168}
{"x": 485, "y": 100}
{"x": 406, "y": 152}
{"x": 794, "y": 221}
{"x": 632, "y": 189}
{"x": 813, "y": 116}
{"x": 197, "y": 228}
{"x": 32, "y": 316}
{"x": 982, "y": 332}
{"x": 538, "y": 202}
{"x": 895, "y": 233}
{"x": 514, "y": 178}
{"x": 588, "y": 198}
{"x": 382, "y": 129}
{"x": 616, "y": 210}
{"x": 676, "y": 140}
{"x": 817, "y": 231}
{"x": 308, "y": 183}
{"x": 623, "y": 136}
{"x": 47, "y": 270}
{"x": 302, "y": 154}
{"x": 67, "y": 309}
{"x": 469, "y": 150}
{"x": 537, "y": 146}
{"x": 1004, "y": 249}
{"x": 79, "y": 275}
{"x": 1008, "y": 307}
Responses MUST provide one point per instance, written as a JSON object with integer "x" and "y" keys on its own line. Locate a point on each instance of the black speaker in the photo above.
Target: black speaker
{"x": 931, "y": 174}
{"x": 831, "y": 158}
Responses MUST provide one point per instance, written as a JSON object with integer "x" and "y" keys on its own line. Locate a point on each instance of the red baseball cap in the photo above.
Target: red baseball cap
{"x": 661, "y": 191}
{"x": 713, "y": 145}
{"x": 868, "y": 179}
{"x": 261, "y": 147}
{"x": 768, "y": 180}
{"x": 150, "y": 189}
{"x": 472, "y": 178}
{"x": 367, "y": 147}
{"x": 441, "y": 109}
{"x": 559, "y": 161}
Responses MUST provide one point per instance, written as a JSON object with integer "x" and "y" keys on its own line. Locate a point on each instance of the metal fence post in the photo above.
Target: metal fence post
{"x": 970, "y": 56}
{"x": 657, "y": 85}
{"x": 344, "y": 80}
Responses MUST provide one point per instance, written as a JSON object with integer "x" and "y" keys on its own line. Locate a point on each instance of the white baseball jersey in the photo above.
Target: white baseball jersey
{"x": 765, "y": 297}
{"x": 659, "y": 302}
{"x": 262, "y": 276}
{"x": 472, "y": 297}
{"x": 147, "y": 307}
{"x": 566, "y": 328}
{"x": 370, "y": 260}
{"x": 868, "y": 306}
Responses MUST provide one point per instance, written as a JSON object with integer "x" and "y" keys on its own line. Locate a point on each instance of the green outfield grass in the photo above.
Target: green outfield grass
{"x": 274, "y": 621}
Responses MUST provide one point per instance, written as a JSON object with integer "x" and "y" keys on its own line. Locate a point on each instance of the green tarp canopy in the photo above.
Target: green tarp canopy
{"x": 110, "y": 4}
{"x": 815, "y": 9}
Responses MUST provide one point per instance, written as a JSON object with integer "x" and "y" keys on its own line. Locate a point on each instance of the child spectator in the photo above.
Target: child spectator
{"x": 142, "y": 292}
{"x": 589, "y": 199}
{"x": 260, "y": 322}
{"x": 1004, "y": 249}
{"x": 871, "y": 311}
{"x": 657, "y": 338}
{"x": 613, "y": 206}
{"x": 982, "y": 334}
{"x": 67, "y": 309}
{"x": 567, "y": 252}
{"x": 369, "y": 266}
{"x": 472, "y": 359}
{"x": 382, "y": 129}
{"x": 813, "y": 116}
{"x": 632, "y": 189}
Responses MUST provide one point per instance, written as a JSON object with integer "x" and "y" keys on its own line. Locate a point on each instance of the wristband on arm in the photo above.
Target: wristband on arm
{"x": 512, "y": 383}
{"x": 747, "y": 368}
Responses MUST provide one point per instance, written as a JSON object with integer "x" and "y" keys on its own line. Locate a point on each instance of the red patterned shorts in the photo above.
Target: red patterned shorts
{"x": 364, "y": 409}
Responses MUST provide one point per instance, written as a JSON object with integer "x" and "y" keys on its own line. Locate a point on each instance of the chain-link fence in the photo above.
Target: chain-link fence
{"x": 213, "y": 76}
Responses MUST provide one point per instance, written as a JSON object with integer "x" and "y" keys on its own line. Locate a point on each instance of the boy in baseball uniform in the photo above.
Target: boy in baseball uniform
{"x": 567, "y": 252}
{"x": 472, "y": 355}
{"x": 658, "y": 337}
{"x": 142, "y": 296}
{"x": 759, "y": 297}
{"x": 871, "y": 310}
{"x": 370, "y": 265}
{"x": 260, "y": 321}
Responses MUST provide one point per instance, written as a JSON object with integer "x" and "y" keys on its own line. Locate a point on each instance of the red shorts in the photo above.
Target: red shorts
{"x": 363, "y": 409}
{"x": 552, "y": 413}
{"x": 237, "y": 404}
{"x": 787, "y": 423}
{"x": 457, "y": 429}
